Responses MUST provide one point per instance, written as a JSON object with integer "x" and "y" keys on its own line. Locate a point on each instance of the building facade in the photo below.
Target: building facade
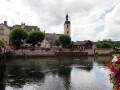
{"x": 82, "y": 45}
{"x": 67, "y": 26}
{"x": 50, "y": 38}
{"x": 4, "y": 32}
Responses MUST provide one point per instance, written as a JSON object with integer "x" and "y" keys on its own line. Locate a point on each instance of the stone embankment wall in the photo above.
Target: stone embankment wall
{"x": 62, "y": 53}
{"x": 103, "y": 51}
{"x": 98, "y": 51}
{"x": 47, "y": 53}
{"x": 33, "y": 53}
{"x": 71, "y": 53}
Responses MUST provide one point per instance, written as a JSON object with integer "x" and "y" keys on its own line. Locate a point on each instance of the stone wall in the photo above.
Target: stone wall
{"x": 62, "y": 53}
{"x": 33, "y": 53}
{"x": 71, "y": 53}
{"x": 103, "y": 51}
{"x": 99, "y": 51}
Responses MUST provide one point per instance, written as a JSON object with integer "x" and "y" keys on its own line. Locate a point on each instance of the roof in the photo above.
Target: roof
{"x": 4, "y": 25}
{"x": 67, "y": 22}
{"x": 82, "y": 42}
{"x": 28, "y": 27}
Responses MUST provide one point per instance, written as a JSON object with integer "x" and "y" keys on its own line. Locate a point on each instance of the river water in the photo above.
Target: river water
{"x": 60, "y": 73}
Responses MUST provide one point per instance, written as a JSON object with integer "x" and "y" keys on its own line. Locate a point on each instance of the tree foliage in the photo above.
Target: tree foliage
{"x": 2, "y": 43}
{"x": 70, "y": 45}
{"x": 116, "y": 46}
{"x": 65, "y": 40}
{"x": 57, "y": 43}
{"x": 104, "y": 44}
{"x": 36, "y": 36}
{"x": 17, "y": 35}
{"x": 109, "y": 44}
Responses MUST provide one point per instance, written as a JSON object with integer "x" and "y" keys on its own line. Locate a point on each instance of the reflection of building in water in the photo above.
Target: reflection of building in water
{"x": 75, "y": 60}
{"x": 103, "y": 59}
{"x": 87, "y": 68}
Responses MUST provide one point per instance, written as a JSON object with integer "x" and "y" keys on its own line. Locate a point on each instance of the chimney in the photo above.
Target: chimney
{"x": 5, "y": 23}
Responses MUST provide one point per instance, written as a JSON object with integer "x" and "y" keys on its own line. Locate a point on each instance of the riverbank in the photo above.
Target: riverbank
{"x": 38, "y": 53}
{"x": 21, "y": 53}
{"x": 51, "y": 53}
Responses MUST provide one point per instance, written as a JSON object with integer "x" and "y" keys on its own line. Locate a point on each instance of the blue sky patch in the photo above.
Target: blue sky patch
{"x": 106, "y": 12}
{"x": 100, "y": 28}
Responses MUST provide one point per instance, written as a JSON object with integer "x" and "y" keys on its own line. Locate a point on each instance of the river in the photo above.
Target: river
{"x": 55, "y": 73}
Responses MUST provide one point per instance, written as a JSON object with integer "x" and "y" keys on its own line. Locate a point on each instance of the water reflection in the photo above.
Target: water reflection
{"x": 74, "y": 73}
{"x": 64, "y": 73}
{"x": 3, "y": 75}
{"x": 20, "y": 75}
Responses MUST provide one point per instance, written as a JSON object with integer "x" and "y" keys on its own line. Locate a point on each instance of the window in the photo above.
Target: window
{"x": 67, "y": 32}
{"x": 67, "y": 26}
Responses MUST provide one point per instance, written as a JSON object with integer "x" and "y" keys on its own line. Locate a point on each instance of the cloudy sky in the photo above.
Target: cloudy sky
{"x": 90, "y": 19}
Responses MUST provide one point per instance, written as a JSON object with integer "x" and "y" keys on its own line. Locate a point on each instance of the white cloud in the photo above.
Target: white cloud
{"x": 112, "y": 25}
{"x": 15, "y": 12}
{"x": 49, "y": 15}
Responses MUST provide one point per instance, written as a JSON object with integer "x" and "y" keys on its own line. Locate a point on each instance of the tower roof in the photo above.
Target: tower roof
{"x": 67, "y": 21}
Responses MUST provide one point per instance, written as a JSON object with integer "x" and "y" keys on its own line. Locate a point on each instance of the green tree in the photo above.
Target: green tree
{"x": 36, "y": 36}
{"x": 116, "y": 46}
{"x": 70, "y": 45}
{"x": 17, "y": 35}
{"x": 104, "y": 44}
{"x": 2, "y": 43}
{"x": 65, "y": 40}
{"x": 57, "y": 43}
{"x": 99, "y": 45}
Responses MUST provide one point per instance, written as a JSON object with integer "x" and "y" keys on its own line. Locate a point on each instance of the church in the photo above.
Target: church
{"x": 50, "y": 38}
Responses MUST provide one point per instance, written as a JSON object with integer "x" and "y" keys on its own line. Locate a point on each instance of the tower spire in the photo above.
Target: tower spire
{"x": 67, "y": 16}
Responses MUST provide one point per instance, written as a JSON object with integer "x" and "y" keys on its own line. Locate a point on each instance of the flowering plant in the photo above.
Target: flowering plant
{"x": 114, "y": 67}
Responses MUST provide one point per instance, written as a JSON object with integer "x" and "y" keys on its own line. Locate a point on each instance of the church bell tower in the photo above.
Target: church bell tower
{"x": 67, "y": 26}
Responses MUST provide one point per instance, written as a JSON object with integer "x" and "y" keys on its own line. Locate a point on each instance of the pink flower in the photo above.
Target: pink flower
{"x": 118, "y": 61}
